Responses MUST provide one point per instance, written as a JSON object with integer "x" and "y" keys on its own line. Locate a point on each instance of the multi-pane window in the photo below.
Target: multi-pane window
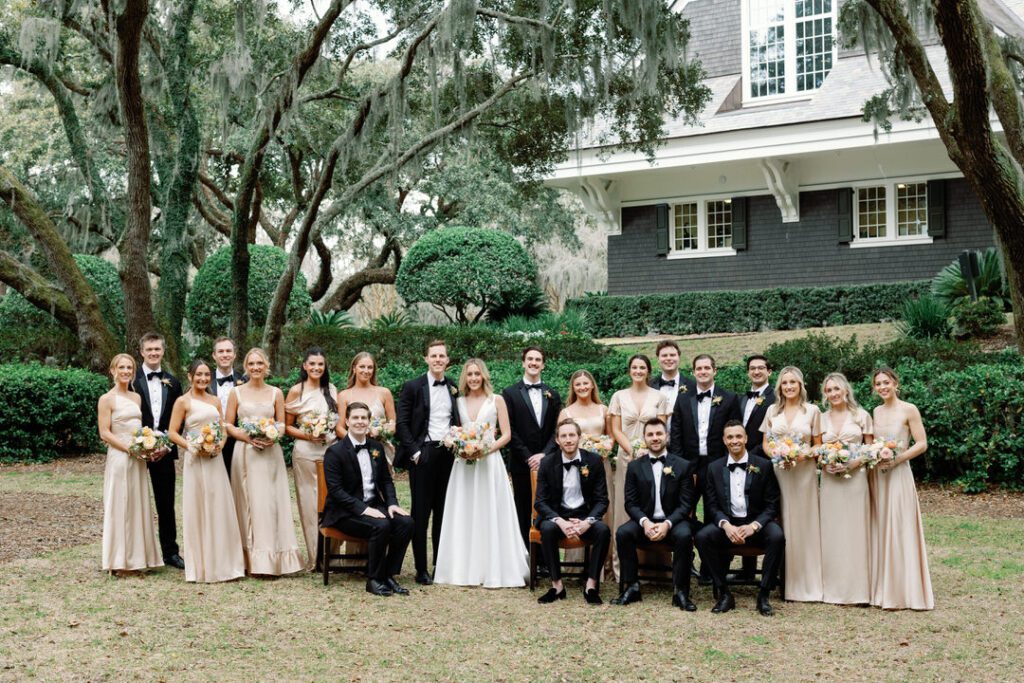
{"x": 789, "y": 45}
{"x": 685, "y": 227}
{"x": 893, "y": 212}
{"x": 719, "y": 224}
{"x": 911, "y": 209}
{"x": 871, "y": 212}
{"x": 701, "y": 227}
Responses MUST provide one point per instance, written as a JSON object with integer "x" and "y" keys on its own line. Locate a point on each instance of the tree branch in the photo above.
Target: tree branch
{"x": 40, "y": 292}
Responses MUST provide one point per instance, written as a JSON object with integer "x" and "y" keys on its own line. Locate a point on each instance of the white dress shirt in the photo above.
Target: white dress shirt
{"x": 224, "y": 390}
{"x": 440, "y": 411}
{"x": 156, "y": 393}
{"x": 752, "y": 403}
{"x": 365, "y": 467}
{"x": 670, "y": 392}
{"x": 737, "y": 484}
{"x": 572, "y": 487}
{"x": 704, "y": 419}
{"x": 659, "y": 513}
{"x": 536, "y": 398}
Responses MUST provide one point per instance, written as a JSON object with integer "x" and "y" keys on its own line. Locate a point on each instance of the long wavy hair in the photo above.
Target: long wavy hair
{"x": 595, "y": 394}
{"x": 780, "y": 401}
{"x": 482, "y": 366}
{"x": 352, "y": 368}
{"x": 325, "y": 379}
{"x": 844, "y": 384}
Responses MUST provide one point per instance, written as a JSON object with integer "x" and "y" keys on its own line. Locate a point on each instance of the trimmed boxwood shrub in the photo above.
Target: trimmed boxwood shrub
{"x": 208, "y": 308}
{"x": 787, "y": 308}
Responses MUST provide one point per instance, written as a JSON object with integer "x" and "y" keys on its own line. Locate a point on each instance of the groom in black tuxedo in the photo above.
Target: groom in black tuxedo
{"x": 426, "y": 410}
{"x": 659, "y": 497}
{"x": 533, "y": 409}
{"x": 225, "y": 379}
{"x": 159, "y": 389}
{"x": 741, "y": 502}
{"x": 572, "y": 497}
{"x": 671, "y": 382}
{"x": 361, "y": 501}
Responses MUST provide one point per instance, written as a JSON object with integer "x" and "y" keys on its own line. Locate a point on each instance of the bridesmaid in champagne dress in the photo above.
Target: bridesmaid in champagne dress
{"x": 899, "y": 559}
{"x": 585, "y": 407}
{"x": 313, "y": 395}
{"x": 845, "y": 503}
{"x": 629, "y": 411}
{"x": 793, "y": 416}
{"x": 129, "y": 540}
{"x": 213, "y": 546}
{"x": 363, "y": 388}
{"x": 259, "y": 478}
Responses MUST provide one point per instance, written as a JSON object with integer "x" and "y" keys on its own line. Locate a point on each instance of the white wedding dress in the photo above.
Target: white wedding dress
{"x": 480, "y": 541}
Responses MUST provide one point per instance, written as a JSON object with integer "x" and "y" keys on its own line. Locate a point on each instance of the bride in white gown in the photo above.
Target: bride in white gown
{"x": 480, "y": 541}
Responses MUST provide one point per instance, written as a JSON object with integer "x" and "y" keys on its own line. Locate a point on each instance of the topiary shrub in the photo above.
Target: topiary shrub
{"x": 208, "y": 309}
{"x": 979, "y": 318}
{"x": 462, "y": 269}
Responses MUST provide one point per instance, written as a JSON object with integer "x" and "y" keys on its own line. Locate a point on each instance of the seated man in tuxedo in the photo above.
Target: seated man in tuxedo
{"x": 659, "y": 497}
{"x": 741, "y": 502}
{"x": 361, "y": 501}
{"x": 572, "y": 496}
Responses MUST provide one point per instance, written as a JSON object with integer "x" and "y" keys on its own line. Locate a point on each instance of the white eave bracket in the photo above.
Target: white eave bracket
{"x": 600, "y": 199}
{"x": 783, "y": 185}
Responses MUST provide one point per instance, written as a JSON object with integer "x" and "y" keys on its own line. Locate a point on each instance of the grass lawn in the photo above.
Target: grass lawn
{"x": 63, "y": 619}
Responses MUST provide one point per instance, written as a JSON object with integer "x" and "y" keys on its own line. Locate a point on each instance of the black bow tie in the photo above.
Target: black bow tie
{"x": 662, "y": 382}
{"x": 572, "y": 463}
{"x": 733, "y": 465}
{"x": 440, "y": 382}
{"x": 224, "y": 380}
{"x": 359, "y": 446}
{"x": 703, "y": 395}
{"x": 753, "y": 394}
{"x": 534, "y": 386}
{"x": 159, "y": 374}
{"x": 660, "y": 458}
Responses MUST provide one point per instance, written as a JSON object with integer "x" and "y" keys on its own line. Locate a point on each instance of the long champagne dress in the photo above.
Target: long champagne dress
{"x": 305, "y": 456}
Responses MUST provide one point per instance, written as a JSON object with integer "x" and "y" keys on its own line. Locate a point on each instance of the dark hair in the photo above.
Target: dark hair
{"x": 218, "y": 340}
{"x": 639, "y": 356}
{"x": 325, "y": 379}
{"x": 758, "y": 356}
{"x": 356, "y": 405}
{"x": 569, "y": 421}
{"x": 657, "y": 422}
{"x": 666, "y": 344}
{"x": 703, "y": 356}
{"x": 534, "y": 348}
{"x": 151, "y": 337}
{"x": 435, "y": 342}
{"x": 197, "y": 363}
{"x": 734, "y": 423}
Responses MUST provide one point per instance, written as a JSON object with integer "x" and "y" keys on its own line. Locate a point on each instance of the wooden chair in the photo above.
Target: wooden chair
{"x": 323, "y": 555}
{"x": 564, "y": 544}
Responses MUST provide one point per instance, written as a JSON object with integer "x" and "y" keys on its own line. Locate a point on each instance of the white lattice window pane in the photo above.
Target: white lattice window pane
{"x": 871, "y": 212}
{"x": 719, "y": 224}
{"x": 813, "y": 43}
{"x": 767, "y": 36}
{"x": 911, "y": 209}
{"x": 684, "y": 227}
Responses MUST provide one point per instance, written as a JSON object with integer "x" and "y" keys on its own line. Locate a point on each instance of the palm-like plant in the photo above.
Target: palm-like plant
{"x": 389, "y": 321}
{"x": 330, "y": 319}
{"x": 951, "y": 288}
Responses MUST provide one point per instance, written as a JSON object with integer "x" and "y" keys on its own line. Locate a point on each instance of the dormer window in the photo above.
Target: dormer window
{"x": 788, "y": 46}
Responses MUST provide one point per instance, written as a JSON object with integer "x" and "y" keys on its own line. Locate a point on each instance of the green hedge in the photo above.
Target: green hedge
{"x": 787, "y": 308}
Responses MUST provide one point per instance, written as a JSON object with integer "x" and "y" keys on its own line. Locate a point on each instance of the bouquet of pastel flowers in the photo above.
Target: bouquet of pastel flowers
{"x": 262, "y": 428}
{"x": 317, "y": 425}
{"x": 470, "y": 442}
{"x": 206, "y": 440}
{"x": 835, "y": 453}
{"x": 639, "y": 448}
{"x": 146, "y": 442}
{"x": 881, "y": 450}
{"x": 382, "y": 429}
{"x": 785, "y": 450}
{"x": 601, "y": 444}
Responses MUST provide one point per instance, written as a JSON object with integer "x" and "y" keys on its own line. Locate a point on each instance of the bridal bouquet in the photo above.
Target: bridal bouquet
{"x": 316, "y": 425}
{"x": 262, "y": 428}
{"x": 145, "y": 443}
{"x": 205, "y": 441}
{"x": 835, "y": 453}
{"x": 881, "y": 450}
{"x": 601, "y": 444}
{"x": 382, "y": 430}
{"x": 785, "y": 450}
{"x": 470, "y": 442}
{"x": 639, "y": 448}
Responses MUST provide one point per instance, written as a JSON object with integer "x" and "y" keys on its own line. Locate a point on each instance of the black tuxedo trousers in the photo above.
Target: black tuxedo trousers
{"x": 428, "y": 481}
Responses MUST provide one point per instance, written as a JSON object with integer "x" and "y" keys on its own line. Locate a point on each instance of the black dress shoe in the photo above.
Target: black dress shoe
{"x": 551, "y": 596}
{"x": 424, "y": 579}
{"x": 396, "y": 588}
{"x": 628, "y": 596}
{"x": 592, "y": 596}
{"x": 763, "y": 606}
{"x": 681, "y": 600}
{"x": 725, "y": 603}
{"x": 175, "y": 561}
{"x": 376, "y": 587}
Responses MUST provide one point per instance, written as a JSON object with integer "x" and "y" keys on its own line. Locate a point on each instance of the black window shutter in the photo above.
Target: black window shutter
{"x": 937, "y": 208}
{"x": 662, "y": 226}
{"x": 844, "y": 209}
{"x": 739, "y": 223}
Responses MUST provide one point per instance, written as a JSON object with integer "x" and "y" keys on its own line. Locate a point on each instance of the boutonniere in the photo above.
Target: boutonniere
{"x": 759, "y": 401}
{"x": 165, "y": 382}
{"x": 683, "y": 389}
{"x": 374, "y": 453}
{"x": 547, "y": 394}
{"x": 716, "y": 400}
{"x": 667, "y": 471}
{"x": 453, "y": 391}
{"x": 584, "y": 471}
{"x": 753, "y": 469}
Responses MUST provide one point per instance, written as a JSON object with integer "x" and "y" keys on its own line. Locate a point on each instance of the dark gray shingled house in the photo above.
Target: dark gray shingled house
{"x": 782, "y": 183}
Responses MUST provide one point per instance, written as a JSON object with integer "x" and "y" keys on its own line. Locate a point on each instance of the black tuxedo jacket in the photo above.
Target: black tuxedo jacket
{"x": 171, "y": 391}
{"x": 681, "y": 381}
{"x": 548, "y": 501}
{"x": 677, "y": 493}
{"x": 761, "y": 491}
{"x": 529, "y": 436}
{"x": 755, "y": 443}
{"x": 236, "y": 378}
{"x": 685, "y": 440}
{"x": 413, "y": 418}
{"x": 344, "y": 481}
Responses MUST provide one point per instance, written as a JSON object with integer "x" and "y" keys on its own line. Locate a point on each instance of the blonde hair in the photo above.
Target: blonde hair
{"x": 484, "y": 372}
{"x": 258, "y": 352}
{"x": 595, "y": 394}
{"x": 844, "y": 384}
{"x": 117, "y": 359}
{"x": 352, "y": 368}
{"x": 780, "y": 401}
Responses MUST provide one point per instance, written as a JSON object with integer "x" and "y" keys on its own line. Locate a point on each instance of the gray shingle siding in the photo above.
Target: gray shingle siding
{"x": 716, "y": 35}
{"x": 780, "y": 254}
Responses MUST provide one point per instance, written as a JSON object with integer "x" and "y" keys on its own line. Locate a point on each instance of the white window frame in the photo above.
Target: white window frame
{"x": 702, "y": 250}
{"x": 789, "y": 28}
{"x": 892, "y": 237}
